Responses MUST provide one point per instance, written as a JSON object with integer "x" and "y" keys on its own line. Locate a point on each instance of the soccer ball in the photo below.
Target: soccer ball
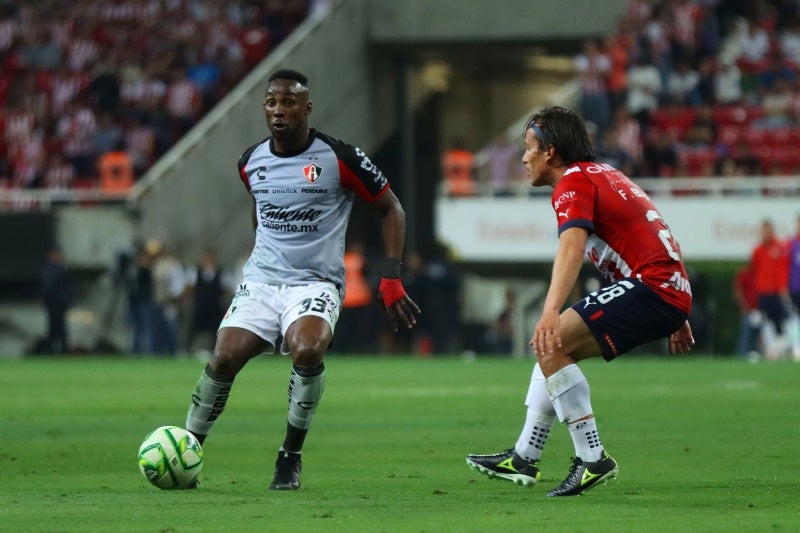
{"x": 171, "y": 458}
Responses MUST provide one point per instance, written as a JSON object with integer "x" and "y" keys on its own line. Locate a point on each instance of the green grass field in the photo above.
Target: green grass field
{"x": 703, "y": 445}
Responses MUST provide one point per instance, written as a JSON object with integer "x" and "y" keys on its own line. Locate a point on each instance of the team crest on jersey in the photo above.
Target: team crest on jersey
{"x": 312, "y": 172}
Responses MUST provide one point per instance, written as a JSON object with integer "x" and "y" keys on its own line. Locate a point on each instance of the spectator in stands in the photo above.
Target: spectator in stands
{"x": 660, "y": 155}
{"x": 777, "y": 104}
{"x": 706, "y": 79}
{"x": 107, "y": 57}
{"x": 458, "y": 169}
{"x": 503, "y": 166}
{"x": 108, "y": 135}
{"x": 656, "y": 42}
{"x": 627, "y": 135}
{"x": 744, "y": 158}
{"x": 59, "y": 173}
{"x": 610, "y": 151}
{"x": 682, "y": 83}
{"x": 618, "y": 49}
{"x": 778, "y": 68}
{"x": 790, "y": 43}
{"x": 728, "y": 85}
{"x": 593, "y": 67}
{"x": 683, "y": 16}
{"x": 644, "y": 87}
{"x": 140, "y": 143}
{"x": 55, "y": 292}
{"x": 753, "y": 57}
{"x": 703, "y": 131}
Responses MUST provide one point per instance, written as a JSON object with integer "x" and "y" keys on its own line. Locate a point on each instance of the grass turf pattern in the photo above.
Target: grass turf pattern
{"x": 703, "y": 445}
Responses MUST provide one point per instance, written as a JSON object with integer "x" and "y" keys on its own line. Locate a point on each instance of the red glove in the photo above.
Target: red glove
{"x": 391, "y": 290}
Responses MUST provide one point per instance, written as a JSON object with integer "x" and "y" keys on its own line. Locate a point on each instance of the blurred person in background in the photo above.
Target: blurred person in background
{"x": 458, "y": 169}
{"x": 502, "y": 165}
{"x": 355, "y": 318}
{"x": 770, "y": 263}
{"x": 55, "y": 292}
{"x": 168, "y": 287}
{"x": 747, "y": 343}
{"x": 794, "y": 289}
{"x": 593, "y": 66}
{"x": 209, "y": 287}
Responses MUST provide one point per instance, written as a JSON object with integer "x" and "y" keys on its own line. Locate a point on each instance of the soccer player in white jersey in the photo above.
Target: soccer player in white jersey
{"x": 303, "y": 184}
{"x": 604, "y": 216}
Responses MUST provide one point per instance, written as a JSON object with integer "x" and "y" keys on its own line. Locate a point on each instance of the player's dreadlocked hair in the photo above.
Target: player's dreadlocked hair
{"x": 564, "y": 129}
{"x": 289, "y": 74}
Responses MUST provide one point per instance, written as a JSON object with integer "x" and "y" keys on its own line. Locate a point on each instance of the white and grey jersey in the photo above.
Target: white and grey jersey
{"x": 303, "y": 203}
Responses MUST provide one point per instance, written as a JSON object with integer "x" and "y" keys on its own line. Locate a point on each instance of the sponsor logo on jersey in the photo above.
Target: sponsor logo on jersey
{"x": 565, "y": 197}
{"x": 370, "y": 167}
{"x": 283, "y": 218}
{"x": 242, "y": 290}
{"x": 284, "y": 214}
{"x": 312, "y": 172}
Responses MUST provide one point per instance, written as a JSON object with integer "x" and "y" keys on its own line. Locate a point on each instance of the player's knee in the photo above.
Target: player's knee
{"x": 226, "y": 362}
{"x": 308, "y": 353}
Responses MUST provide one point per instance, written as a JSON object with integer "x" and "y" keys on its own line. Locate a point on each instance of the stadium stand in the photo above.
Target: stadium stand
{"x": 83, "y": 79}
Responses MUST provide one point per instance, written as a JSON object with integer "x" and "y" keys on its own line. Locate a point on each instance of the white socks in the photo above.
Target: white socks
{"x": 569, "y": 392}
{"x": 538, "y": 421}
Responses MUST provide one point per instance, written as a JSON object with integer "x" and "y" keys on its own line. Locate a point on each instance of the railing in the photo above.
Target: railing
{"x": 713, "y": 187}
{"x": 45, "y": 200}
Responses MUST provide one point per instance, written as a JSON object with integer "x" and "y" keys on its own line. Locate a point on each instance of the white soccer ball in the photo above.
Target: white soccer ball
{"x": 171, "y": 458}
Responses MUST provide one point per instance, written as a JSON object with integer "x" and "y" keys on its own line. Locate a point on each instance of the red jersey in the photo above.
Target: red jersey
{"x": 627, "y": 235}
{"x": 745, "y": 282}
{"x": 770, "y": 263}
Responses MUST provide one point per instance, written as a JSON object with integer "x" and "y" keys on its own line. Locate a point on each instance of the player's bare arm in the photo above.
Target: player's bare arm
{"x": 397, "y": 303}
{"x": 682, "y": 340}
{"x": 566, "y": 267}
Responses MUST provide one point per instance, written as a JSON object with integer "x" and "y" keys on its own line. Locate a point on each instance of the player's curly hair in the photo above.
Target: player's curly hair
{"x": 565, "y": 130}
{"x": 289, "y": 74}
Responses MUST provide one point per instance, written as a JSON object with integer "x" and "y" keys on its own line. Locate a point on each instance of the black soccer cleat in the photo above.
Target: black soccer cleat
{"x": 584, "y": 476}
{"x": 506, "y": 465}
{"x": 287, "y": 471}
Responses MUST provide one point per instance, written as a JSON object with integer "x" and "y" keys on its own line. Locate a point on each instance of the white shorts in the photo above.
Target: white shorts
{"x": 269, "y": 310}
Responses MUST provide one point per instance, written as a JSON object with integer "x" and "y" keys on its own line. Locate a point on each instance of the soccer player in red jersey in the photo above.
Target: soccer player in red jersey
{"x": 604, "y": 216}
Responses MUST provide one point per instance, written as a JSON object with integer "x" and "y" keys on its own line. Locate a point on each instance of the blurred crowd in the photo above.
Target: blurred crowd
{"x": 172, "y": 308}
{"x": 681, "y": 88}
{"x": 82, "y": 79}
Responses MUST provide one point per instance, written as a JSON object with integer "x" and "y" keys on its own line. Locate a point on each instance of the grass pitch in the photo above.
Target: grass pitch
{"x": 703, "y": 445}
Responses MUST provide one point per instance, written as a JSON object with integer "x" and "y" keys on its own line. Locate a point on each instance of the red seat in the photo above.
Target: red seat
{"x": 754, "y": 136}
{"x": 730, "y": 134}
{"x": 697, "y": 161}
{"x": 730, "y": 114}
